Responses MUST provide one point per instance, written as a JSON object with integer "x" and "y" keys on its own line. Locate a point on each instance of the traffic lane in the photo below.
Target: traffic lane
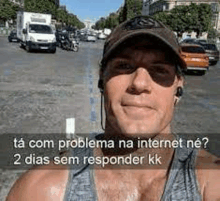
{"x": 44, "y": 89}
{"x": 199, "y": 109}
{"x": 40, "y": 90}
{"x": 201, "y": 93}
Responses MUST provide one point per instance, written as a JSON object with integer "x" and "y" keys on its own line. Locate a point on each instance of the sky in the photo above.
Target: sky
{"x": 91, "y": 9}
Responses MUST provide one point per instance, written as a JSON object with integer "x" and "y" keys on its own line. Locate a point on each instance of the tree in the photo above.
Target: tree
{"x": 179, "y": 19}
{"x": 163, "y": 17}
{"x": 100, "y": 24}
{"x": 40, "y": 6}
{"x": 132, "y": 8}
{"x": 61, "y": 16}
{"x": 122, "y": 14}
{"x": 111, "y": 21}
{"x": 8, "y": 10}
{"x": 200, "y": 18}
{"x": 187, "y": 18}
{"x": 212, "y": 33}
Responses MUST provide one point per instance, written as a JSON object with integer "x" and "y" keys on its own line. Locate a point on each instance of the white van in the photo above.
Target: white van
{"x": 34, "y": 31}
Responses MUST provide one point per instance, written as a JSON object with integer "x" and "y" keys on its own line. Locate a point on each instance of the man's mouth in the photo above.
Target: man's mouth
{"x": 137, "y": 111}
{"x": 136, "y": 105}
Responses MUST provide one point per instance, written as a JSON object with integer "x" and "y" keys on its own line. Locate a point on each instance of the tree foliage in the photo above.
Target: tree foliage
{"x": 48, "y": 7}
{"x": 8, "y": 10}
{"x": 122, "y": 15}
{"x": 163, "y": 17}
{"x": 213, "y": 33}
{"x": 130, "y": 9}
{"x": 188, "y": 18}
{"x": 40, "y": 6}
{"x": 100, "y": 24}
{"x": 111, "y": 21}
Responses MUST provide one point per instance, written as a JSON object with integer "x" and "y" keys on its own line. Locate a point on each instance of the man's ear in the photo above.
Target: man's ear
{"x": 179, "y": 90}
{"x": 100, "y": 85}
{"x": 180, "y": 81}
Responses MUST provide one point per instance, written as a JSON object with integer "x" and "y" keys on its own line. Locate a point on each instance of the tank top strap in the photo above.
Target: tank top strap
{"x": 81, "y": 185}
{"x": 182, "y": 183}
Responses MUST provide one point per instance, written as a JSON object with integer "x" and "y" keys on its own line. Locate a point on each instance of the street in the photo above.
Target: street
{"x": 39, "y": 91}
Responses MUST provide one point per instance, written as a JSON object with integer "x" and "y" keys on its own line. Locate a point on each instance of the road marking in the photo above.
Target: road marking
{"x": 70, "y": 128}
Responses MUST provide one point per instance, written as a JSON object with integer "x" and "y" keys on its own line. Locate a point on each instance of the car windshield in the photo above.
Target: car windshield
{"x": 202, "y": 41}
{"x": 192, "y": 49}
{"x": 189, "y": 41}
{"x": 210, "y": 47}
{"x": 38, "y": 28}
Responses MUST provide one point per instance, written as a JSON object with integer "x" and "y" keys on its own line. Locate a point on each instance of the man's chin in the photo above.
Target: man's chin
{"x": 139, "y": 133}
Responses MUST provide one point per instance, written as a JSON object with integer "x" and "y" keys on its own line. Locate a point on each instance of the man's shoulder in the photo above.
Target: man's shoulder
{"x": 206, "y": 160}
{"x": 208, "y": 173}
{"x": 41, "y": 183}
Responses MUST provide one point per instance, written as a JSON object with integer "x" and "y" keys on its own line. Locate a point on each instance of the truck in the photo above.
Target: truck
{"x": 34, "y": 31}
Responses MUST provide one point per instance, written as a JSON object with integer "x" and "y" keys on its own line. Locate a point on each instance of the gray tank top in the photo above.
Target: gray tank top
{"x": 181, "y": 185}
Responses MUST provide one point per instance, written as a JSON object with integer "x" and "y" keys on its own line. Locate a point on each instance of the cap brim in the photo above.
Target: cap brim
{"x": 144, "y": 32}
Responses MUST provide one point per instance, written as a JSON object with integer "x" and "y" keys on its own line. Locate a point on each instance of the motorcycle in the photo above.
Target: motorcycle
{"x": 69, "y": 44}
{"x": 65, "y": 43}
{"x": 75, "y": 45}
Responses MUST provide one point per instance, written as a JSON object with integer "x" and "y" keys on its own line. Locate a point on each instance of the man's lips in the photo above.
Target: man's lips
{"x": 137, "y": 111}
{"x": 136, "y": 105}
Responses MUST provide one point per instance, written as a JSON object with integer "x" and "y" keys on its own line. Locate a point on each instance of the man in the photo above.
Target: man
{"x": 141, "y": 81}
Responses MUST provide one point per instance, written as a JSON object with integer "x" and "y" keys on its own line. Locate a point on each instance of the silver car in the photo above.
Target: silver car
{"x": 91, "y": 38}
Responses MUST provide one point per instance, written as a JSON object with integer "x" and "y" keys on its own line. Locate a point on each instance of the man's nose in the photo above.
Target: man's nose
{"x": 141, "y": 81}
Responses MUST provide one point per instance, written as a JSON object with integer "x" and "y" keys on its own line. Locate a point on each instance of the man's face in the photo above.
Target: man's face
{"x": 139, "y": 89}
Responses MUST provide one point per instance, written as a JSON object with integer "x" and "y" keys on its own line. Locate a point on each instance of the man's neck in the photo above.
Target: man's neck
{"x": 152, "y": 150}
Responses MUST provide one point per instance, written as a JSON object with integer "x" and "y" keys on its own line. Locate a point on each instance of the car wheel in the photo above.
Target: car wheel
{"x": 53, "y": 51}
{"x": 75, "y": 48}
{"x": 28, "y": 48}
{"x": 21, "y": 45}
{"x": 9, "y": 40}
{"x": 213, "y": 63}
{"x": 201, "y": 72}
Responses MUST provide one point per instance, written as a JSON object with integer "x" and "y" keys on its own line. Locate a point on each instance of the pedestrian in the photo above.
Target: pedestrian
{"x": 141, "y": 82}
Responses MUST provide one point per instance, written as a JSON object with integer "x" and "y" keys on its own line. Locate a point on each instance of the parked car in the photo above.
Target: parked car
{"x": 195, "y": 58}
{"x": 83, "y": 37}
{"x": 13, "y": 36}
{"x": 212, "y": 52}
{"x": 102, "y": 36}
{"x": 202, "y": 41}
{"x": 189, "y": 40}
{"x": 91, "y": 38}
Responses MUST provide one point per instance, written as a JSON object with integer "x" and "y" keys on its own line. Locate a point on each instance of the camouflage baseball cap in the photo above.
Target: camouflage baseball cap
{"x": 139, "y": 26}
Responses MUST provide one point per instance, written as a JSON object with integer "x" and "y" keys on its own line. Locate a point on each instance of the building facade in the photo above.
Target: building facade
{"x": 63, "y": 7}
{"x": 57, "y": 3}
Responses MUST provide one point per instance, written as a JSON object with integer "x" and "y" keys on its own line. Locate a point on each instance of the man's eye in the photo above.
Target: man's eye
{"x": 124, "y": 66}
{"x": 161, "y": 70}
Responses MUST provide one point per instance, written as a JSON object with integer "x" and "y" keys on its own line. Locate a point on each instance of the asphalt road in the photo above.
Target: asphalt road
{"x": 39, "y": 91}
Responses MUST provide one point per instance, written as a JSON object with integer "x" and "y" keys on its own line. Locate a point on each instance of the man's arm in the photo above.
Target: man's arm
{"x": 42, "y": 183}
{"x": 212, "y": 188}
